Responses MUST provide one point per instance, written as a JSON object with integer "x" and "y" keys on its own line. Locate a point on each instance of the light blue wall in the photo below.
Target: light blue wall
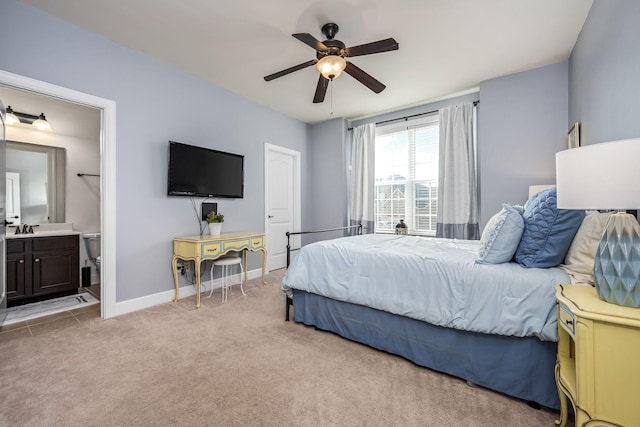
{"x": 604, "y": 73}
{"x": 522, "y": 124}
{"x": 327, "y": 175}
{"x": 155, "y": 103}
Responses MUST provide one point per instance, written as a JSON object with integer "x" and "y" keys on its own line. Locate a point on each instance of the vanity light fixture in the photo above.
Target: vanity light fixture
{"x": 12, "y": 119}
{"x": 39, "y": 122}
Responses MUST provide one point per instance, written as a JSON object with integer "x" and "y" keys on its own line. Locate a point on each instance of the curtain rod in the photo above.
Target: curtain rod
{"x": 405, "y": 118}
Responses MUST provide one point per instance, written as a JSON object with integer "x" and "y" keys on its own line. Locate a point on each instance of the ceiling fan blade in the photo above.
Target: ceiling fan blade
{"x": 309, "y": 40}
{"x": 321, "y": 90}
{"x": 290, "y": 70}
{"x": 364, "y": 78}
{"x": 374, "y": 47}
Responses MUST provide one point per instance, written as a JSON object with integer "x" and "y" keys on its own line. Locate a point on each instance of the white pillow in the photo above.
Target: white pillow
{"x": 582, "y": 252}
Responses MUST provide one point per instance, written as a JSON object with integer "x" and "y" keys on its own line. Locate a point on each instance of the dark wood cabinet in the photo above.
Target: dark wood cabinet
{"x": 16, "y": 263}
{"x": 38, "y": 267}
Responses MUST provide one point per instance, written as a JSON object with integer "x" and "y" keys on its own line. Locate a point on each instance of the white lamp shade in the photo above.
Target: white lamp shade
{"x": 599, "y": 176}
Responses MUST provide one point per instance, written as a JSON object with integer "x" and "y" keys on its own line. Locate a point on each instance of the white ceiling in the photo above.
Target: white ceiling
{"x": 446, "y": 47}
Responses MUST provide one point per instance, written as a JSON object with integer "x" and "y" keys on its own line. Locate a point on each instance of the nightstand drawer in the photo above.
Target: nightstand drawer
{"x": 210, "y": 250}
{"x": 567, "y": 319}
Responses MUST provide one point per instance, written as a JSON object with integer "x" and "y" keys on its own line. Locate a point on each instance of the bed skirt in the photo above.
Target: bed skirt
{"x": 518, "y": 367}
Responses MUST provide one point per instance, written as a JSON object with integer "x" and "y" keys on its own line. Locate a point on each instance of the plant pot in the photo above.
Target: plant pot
{"x": 215, "y": 228}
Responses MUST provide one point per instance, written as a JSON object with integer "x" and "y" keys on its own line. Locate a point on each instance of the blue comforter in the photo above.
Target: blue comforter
{"x": 434, "y": 280}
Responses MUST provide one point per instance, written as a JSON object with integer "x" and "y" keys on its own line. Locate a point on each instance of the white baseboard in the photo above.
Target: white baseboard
{"x": 129, "y": 306}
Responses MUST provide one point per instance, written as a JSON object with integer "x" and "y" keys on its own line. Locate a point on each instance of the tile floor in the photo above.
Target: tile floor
{"x": 42, "y": 325}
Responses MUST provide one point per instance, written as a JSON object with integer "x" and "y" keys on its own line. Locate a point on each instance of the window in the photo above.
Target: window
{"x": 407, "y": 176}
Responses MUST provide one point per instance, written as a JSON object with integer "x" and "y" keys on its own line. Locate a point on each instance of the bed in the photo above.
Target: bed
{"x": 446, "y": 304}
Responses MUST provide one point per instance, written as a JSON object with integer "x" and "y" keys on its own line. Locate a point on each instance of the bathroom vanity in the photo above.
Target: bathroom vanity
{"x": 42, "y": 264}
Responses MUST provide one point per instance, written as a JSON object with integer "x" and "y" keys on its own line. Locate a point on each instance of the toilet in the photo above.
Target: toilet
{"x": 92, "y": 245}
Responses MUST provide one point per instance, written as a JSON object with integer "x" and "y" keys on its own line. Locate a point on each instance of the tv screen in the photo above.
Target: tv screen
{"x": 203, "y": 172}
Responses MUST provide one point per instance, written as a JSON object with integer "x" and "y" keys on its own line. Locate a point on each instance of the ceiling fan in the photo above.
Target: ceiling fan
{"x": 330, "y": 60}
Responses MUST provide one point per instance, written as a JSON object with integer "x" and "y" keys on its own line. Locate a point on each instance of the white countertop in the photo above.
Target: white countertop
{"x": 43, "y": 230}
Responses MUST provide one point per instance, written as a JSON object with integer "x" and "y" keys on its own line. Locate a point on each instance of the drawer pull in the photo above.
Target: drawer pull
{"x": 21, "y": 261}
{"x": 569, "y": 322}
{"x": 37, "y": 260}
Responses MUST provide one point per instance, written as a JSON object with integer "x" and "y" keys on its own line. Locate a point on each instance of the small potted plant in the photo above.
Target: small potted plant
{"x": 215, "y": 221}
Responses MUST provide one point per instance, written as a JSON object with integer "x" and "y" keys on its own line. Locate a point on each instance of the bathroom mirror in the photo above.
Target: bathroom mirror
{"x": 35, "y": 183}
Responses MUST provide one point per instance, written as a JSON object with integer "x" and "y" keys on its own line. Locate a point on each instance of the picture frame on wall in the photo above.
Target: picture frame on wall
{"x": 573, "y": 137}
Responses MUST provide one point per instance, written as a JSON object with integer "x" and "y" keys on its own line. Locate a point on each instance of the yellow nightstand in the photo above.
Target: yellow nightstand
{"x": 598, "y": 366}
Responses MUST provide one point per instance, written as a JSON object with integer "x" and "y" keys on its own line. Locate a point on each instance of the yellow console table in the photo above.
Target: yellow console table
{"x": 203, "y": 248}
{"x": 597, "y": 366}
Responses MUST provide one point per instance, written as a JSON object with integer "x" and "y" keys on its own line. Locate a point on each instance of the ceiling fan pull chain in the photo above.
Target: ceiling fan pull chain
{"x": 331, "y": 95}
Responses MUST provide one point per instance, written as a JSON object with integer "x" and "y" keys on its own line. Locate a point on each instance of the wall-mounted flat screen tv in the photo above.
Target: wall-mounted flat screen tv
{"x": 203, "y": 172}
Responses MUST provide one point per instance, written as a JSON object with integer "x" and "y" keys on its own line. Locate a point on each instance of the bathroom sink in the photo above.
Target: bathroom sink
{"x": 43, "y": 230}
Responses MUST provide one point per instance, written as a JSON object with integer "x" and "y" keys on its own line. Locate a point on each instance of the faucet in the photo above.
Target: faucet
{"x": 26, "y": 229}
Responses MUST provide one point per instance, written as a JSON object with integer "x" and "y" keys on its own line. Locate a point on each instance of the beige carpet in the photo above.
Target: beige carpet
{"x": 232, "y": 364}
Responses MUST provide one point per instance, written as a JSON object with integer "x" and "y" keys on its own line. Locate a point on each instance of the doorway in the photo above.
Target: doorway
{"x": 12, "y": 198}
{"x": 282, "y": 202}
{"x": 107, "y": 179}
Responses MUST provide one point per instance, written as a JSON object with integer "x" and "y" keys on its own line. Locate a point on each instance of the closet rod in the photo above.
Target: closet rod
{"x": 88, "y": 174}
{"x": 412, "y": 116}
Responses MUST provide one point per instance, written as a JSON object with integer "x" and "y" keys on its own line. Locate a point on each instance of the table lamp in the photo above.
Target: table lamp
{"x": 607, "y": 176}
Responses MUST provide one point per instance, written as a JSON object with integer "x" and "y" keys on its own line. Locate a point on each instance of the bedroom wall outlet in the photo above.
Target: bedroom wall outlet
{"x": 181, "y": 268}
{"x": 208, "y": 207}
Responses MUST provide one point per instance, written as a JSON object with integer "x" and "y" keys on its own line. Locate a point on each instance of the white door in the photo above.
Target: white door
{"x": 282, "y": 202}
{"x": 12, "y": 199}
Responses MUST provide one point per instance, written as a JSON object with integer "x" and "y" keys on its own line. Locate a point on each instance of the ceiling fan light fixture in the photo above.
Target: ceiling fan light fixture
{"x": 330, "y": 60}
{"x": 12, "y": 119}
{"x": 41, "y": 123}
{"x": 331, "y": 66}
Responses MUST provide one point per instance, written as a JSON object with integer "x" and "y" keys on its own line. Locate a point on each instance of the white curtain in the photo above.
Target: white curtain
{"x": 458, "y": 179}
{"x": 361, "y": 194}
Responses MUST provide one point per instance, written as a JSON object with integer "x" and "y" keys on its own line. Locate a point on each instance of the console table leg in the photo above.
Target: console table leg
{"x": 198, "y": 283}
{"x": 174, "y": 266}
{"x": 264, "y": 265}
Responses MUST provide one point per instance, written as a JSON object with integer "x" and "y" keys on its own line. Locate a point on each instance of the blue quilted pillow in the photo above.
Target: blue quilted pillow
{"x": 548, "y": 231}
